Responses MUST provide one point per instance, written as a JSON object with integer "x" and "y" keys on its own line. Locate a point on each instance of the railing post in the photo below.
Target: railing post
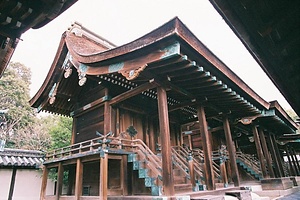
{"x": 192, "y": 170}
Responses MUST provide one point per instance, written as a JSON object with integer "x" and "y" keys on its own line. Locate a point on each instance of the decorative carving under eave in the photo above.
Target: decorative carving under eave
{"x": 82, "y": 74}
{"x": 248, "y": 120}
{"x": 52, "y": 93}
{"x": 133, "y": 73}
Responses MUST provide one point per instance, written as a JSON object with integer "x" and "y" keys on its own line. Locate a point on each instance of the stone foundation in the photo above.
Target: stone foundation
{"x": 282, "y": 183}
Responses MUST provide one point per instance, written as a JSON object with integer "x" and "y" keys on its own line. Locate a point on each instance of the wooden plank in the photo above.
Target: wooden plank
{"x": 207, "y": 149}
{"x": 130, "y": 93}
{"x": 259, "y": 152}
{"x": 44, "y": 183}
{"x": 78, "y": 179}
{"x": 231, "y": 151}
{"x": 168, "y": 182}
{"x": 266, "y": 153}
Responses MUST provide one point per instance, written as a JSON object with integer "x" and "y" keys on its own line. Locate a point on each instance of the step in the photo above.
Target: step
{"x": 180, "y": 179}
{"x": 209, "y": 197}
{"x": 187, "y": 187}
{"x": 240, "y": 194}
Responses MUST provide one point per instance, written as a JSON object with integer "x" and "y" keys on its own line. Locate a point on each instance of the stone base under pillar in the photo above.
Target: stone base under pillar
{"x": 282, "y": 183}
{"x": 296, "y": 180}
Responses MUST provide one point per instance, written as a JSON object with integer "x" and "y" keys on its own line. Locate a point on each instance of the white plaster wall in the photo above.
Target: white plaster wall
{"x": 5, "y": 177}
{"x": 27, "y": 184}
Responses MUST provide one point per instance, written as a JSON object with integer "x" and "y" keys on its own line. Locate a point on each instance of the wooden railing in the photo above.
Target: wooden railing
{"x": 183, "y": 154}
{"x": 198, "y": 154}
{"x": 250, "y": 161}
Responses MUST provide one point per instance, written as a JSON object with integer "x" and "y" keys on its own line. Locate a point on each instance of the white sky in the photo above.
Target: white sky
{"x": 121, "y": 21}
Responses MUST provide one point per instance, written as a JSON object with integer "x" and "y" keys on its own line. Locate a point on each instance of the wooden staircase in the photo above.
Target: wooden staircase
{"x": 249, "y": 164}
{"x": 148, "y": 165}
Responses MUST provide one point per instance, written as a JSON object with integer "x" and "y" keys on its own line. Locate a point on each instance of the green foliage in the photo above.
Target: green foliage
{"x": 61, "y": 133}
{"x": 14, "y": 97}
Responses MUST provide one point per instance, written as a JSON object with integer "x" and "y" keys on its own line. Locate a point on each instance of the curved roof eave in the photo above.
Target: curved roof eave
{"x": 35, "y": 101}
{"x": 171, "y": 28}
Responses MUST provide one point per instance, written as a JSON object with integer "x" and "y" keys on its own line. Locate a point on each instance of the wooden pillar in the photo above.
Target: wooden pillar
{"x": 44, "y": 183}
{"x": 231, "y": 151}
{"x": 207, "y": 149}
{"x": 192, "y": 170}
{"x": 259, "y": 151}
{"x": 275, "y": 159}
{"x": 280, "y": 161}
{"x": 12, "y": 183}
{"x": 167, "y": 169}
{"x": 104, "y": 158}
{"x": 151, "y": 135}
{"x": 288, "y": 155}
{"x": 124, "y": 175}
{"x": 103, "y": 177}
{"x": 223, "y": 172}
{"x": 78, "y": 179}
{"x": 293, "y": 161}
{"x": 266, "y": 152}
{"x": 296, "y": 159}
{"x": 60, "y": 175}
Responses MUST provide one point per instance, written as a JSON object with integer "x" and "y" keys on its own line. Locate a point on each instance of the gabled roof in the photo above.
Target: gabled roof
{"x": 18, "y": 16}
{"x": 170, "y": 55}
{"x": 270, "y": 31}
{"x": 21, "y": 158}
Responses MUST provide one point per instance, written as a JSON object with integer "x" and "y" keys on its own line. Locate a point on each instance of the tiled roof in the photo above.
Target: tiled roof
{"x": 21, "y": 158}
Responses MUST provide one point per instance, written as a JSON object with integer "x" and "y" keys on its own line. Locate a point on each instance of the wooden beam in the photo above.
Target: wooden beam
{"x": 231, "y": 151}
{"x": 78, "y": 179}
{"x": 130, "y": 93}
{"x": 92, "y": 105}
{"x": 260, "y": 154}
{"x": 167, "y": 169}
{"x": 207, "y": 149}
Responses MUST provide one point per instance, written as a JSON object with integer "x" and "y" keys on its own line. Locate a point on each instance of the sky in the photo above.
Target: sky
{"x": 121, "y": 21}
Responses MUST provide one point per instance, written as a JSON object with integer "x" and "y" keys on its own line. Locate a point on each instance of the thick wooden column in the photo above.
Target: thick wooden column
{"x": 167, "y": 169}
{"x": 275, "y": 159}
{"x": 78, "y": 179}
{"x": 231, "y": 151}
{"x": 260, "y": 154}
{"x": 280, "y": 161}
{"x": 44, "y": 183}
{"x": 60, "y": 174}
{"x": 223, "y": 172}
{"x": 288, "y": 155}
{"x": 293, "y": 161}
{"x": 207, "y": 149}
{"x": 103, "y": 177}
{"x": 297, "y": 162}
{"x": 266, "y": 152}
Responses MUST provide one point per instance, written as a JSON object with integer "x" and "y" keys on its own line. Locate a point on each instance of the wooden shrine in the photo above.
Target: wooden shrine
{"x": 158, "y": 116}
